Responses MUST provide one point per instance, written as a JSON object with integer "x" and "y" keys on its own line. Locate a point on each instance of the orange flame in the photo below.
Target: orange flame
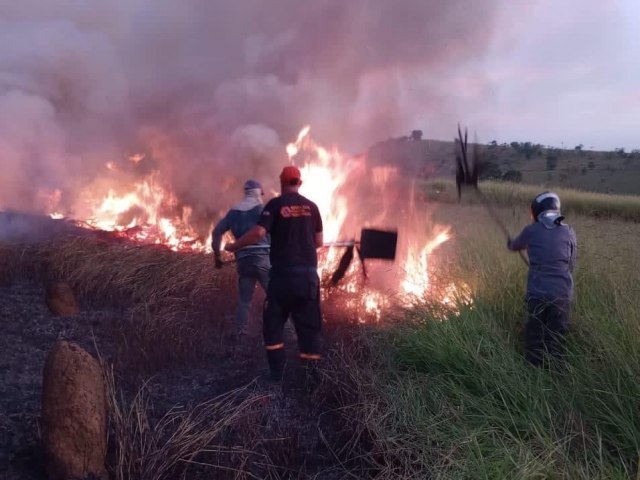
{"x": 149, "y": 212}
{"x": 328, "y": 172}
{"x": 141, "y": 215}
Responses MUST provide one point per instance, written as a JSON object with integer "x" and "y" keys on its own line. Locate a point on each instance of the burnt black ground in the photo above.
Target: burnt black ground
{"x": 287, "y": 423}
{"x": 27, "y": 332}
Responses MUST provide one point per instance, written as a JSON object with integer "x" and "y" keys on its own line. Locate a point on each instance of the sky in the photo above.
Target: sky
{"x": 565, "y": 72}
{"x": 559, "y": 73}
{"x": 209, "y": 91}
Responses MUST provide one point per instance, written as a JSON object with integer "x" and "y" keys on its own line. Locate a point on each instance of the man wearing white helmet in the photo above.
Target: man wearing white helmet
{"x": 552, "y": 247}
{"x": 252, "y": 262}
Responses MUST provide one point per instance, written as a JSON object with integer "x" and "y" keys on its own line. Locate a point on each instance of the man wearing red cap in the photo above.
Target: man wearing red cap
{"x": 295, "y": 226}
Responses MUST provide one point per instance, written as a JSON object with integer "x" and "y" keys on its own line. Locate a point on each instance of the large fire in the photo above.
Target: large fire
{"x": 328, "y": 174}
{"x": 148, "y": 212}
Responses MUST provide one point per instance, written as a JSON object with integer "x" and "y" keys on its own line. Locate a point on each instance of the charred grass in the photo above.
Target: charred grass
{"x": 184, "y": 400}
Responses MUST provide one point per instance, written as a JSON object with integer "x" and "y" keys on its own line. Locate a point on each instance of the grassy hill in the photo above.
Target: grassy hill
{"x": 606, "y": 172}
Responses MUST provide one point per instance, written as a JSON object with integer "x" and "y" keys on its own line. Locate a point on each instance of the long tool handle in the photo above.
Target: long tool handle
{"x": 493, "y": 214}
{"x": 346, "y": 243}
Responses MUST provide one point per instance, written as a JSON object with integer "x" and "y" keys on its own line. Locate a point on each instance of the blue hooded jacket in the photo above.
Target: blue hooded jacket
{"x": 240, "y": 219}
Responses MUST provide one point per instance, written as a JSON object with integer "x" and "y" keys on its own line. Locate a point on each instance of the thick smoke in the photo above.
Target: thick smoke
{"x": 211, "y": 92}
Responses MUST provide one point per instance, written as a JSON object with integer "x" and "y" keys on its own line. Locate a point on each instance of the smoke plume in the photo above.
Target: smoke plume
{"x": 210, "y": 92}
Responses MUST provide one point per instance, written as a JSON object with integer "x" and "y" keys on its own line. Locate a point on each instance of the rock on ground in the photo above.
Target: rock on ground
{"x": 74, "y": 413}
{"x": 60, "y": 299}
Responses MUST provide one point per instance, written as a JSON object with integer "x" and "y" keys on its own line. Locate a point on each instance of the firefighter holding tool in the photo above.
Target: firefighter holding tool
{"x": 552, "y": 248}
{"x": 295, "y": 227}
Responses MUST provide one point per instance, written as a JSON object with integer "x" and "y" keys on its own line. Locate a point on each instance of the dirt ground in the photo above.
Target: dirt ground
{"x": 283, "y": 431}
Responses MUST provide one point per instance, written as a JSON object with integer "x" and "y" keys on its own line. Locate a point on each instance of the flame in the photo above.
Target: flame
{"x": 149, "y": 212}
{"x": 416, "y": 281}
{"x": 328, "y": 172}
{"x": 137, "y": 158}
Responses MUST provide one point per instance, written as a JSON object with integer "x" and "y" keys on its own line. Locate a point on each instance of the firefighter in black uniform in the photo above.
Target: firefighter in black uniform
{"x": 295, "y": 226}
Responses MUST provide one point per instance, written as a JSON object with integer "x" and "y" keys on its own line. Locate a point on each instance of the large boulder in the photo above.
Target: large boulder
{"x": 74, "y": 414}
{"x": 60, "y": 299}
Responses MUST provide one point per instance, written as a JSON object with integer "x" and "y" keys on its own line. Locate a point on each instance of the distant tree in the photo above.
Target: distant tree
{"x": 620, "y": 152}
{"x": 552, "y": 162}
{"x": 591, "y": 165}
{"x": 528, "y": 149}
{"x": 578, "y": 148}
{"x": 514, "y": 176}
{"x": 416, "y": 135}
{"x": 493, "y": 143}
{"x": 489, "y": 170}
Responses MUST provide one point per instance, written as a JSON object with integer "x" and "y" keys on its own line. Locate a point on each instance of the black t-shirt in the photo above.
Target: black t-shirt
{"x": 293, "y": 221}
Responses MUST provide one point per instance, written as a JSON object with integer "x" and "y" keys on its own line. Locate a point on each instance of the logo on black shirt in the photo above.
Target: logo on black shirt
{"x": 293, "y": 211}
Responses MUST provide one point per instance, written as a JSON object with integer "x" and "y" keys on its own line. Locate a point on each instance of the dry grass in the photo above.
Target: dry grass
{"x": 173, "y": 308}
{"x": 592, "y": 204}
{"x": 368, "y": 443}
{"x": 152, "y": 448}
{"x": 172, "y": 304}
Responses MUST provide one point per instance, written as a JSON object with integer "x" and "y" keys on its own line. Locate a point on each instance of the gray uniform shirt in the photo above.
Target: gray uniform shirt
{"x": 552, "y": 257}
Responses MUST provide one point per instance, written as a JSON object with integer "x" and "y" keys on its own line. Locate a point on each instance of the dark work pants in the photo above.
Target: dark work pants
{"x": 546, "y": 329}
{"x": 252, "y": 269}
{"x": 297, "y": 295}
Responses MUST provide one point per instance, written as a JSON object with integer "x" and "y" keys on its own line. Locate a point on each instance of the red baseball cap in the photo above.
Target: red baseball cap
{"x": 290, "y": 175}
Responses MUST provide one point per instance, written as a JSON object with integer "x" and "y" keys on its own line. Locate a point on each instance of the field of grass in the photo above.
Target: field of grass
{"x": 416, "y": 397}
{"x": 456, "y": 399}
{"x": 592, "y": 204}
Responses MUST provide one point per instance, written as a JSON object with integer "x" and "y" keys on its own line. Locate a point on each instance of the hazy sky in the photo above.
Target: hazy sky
{"x": 563, "y": 71}
{"x": 210, "y": 90}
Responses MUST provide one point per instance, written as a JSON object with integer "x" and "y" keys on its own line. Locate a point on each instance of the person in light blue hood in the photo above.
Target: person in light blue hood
{"x": 252, "y": 262}
{"x": 552, "y": 247}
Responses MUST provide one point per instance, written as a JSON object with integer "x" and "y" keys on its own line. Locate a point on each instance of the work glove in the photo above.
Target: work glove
{"x": 218, "y": 261}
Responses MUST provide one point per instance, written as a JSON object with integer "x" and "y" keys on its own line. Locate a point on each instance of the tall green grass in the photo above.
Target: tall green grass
{"x": 599, "y": 205}
{"x": 465, "y": 402}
